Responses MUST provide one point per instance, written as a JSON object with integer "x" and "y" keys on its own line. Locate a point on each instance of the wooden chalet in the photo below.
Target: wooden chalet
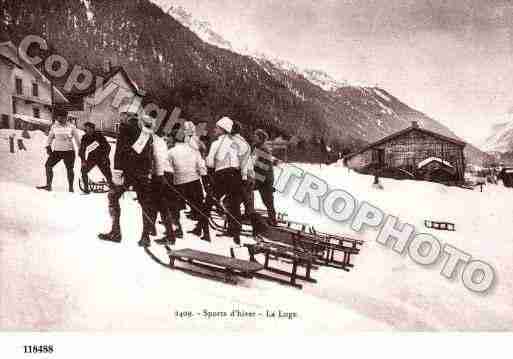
{"x": 413, "y": 153}
{"x": 100, "y": 105}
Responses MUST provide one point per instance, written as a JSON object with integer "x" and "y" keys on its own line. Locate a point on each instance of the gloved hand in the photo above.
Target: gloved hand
{"x": 49, "y": 150}
{"x": 117, "y": 177}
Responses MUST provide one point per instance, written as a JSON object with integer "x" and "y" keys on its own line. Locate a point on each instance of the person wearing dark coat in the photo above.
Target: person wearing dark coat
{"x": 264, "y": 173}
{"x": 94, "y": 151}
{"x": 133, "y": 167}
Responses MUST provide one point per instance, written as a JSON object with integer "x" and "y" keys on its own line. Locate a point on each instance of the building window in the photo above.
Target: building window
{"x": 35, "y": 90}
{"x": 115, "y": 127}
{"x": 37, "y": 112}
{"x": 5, "y": 121}
{"x": 19, "y": 86}
{"x": 14, "y": 108}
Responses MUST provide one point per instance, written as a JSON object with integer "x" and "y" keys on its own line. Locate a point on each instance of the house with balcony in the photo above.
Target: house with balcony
{"x": 27, "y": 97}
{"x": 101, "y": 104}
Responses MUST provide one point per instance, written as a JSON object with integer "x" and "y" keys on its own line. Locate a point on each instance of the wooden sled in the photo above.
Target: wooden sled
{"x": 295, "y": 257}
{"x": 229, "y": 268}
{"x": 326, "y": 251}
{"x": 442, "y": 226}
{"x": 95, "y": 187}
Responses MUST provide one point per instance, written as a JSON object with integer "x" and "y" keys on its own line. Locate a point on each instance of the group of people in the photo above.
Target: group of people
{"x": 170, "y": 171}
{"x": 93, "y": 151}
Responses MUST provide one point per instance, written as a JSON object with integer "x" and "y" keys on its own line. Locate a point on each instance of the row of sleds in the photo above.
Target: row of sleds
{"x": 288, "y": 253}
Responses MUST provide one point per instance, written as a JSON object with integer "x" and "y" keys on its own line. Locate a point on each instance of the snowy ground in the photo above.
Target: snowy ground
{"x": 55, "y": 274}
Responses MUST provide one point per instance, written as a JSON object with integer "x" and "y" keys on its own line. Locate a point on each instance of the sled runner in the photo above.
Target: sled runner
{"x": 296, "y": 244}
{"x": 95, "y": 187}
{"x": 296, "y": 257}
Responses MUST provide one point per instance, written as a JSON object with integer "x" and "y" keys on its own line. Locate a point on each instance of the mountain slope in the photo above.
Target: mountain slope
{"x": 500, "y": 139}
{"x": 205, "y": 31}
{"x": 355, "y": 114}
{"x": 178, "y": 69}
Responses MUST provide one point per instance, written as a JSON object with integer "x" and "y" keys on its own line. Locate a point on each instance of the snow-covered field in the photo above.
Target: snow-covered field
{"x": 56, "y": 275}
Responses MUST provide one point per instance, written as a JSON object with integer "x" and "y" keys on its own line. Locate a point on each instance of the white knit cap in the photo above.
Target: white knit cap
{"x": 147, "y": 120}
{"x": 225, "y": 123}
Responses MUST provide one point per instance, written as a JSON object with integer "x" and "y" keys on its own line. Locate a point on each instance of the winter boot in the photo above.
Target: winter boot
{"x": 85, "y": 181}
{"x": 179, "y": 231}
{"x": 169, "y": 237}
{"x": 144, "y": 241}
{"x": 71, "y": 179}
{"x": 49, "y": 179}
{"x": 205, "y": 229}
{"x": 114, "y": 235}
{"x": 206, "y": 232}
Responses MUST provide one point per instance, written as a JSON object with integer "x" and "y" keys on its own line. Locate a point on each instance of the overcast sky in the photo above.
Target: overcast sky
{"x": 452, "y": 59}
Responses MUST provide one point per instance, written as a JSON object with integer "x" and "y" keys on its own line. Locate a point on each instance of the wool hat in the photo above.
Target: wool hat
{"x": 262, "y": 135}
{"x": 225, "y": 123}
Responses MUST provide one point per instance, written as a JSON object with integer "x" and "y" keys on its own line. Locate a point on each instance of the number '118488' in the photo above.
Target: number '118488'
{"x": 38, "y": 349}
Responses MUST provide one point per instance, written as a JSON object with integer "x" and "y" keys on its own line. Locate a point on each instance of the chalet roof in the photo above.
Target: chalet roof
{"x": 413, "y": 127}
{"x": 10, "y": 61}
{"x": 76, "y": 96}
{"x": 119, "y": 69}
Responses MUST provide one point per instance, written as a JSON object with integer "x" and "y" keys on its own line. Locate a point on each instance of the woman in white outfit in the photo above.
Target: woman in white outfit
{"x": 61, "y": 135}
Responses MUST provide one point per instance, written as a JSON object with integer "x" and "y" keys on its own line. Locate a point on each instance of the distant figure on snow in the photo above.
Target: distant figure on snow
{"x": 94, "y": 151}
{"x": 264, "y": 172}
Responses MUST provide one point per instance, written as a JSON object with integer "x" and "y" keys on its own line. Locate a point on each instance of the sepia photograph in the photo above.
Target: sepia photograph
{"x": 254, "y": 167}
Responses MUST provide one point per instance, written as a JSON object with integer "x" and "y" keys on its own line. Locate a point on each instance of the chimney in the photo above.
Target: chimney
{"x": 414, "y": 124}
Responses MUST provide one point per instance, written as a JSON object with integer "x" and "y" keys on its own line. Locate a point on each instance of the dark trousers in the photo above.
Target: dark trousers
{"x": 267, "y": 194}
{"x": 69, "y": 161}
{"x": 158, "y": 203}
{"x": 142, "y": 186}
{"x": 248, "y": 198}
{"x": 103, "y": 166}
{"x": 228, "y": 182}
{"x": 193, "y": 194}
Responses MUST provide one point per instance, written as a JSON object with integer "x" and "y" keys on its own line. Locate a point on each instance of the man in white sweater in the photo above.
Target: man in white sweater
{"x": 188, "y": 168}
{"x": 61, "y": 135}
{"x": 224, "y": 157}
